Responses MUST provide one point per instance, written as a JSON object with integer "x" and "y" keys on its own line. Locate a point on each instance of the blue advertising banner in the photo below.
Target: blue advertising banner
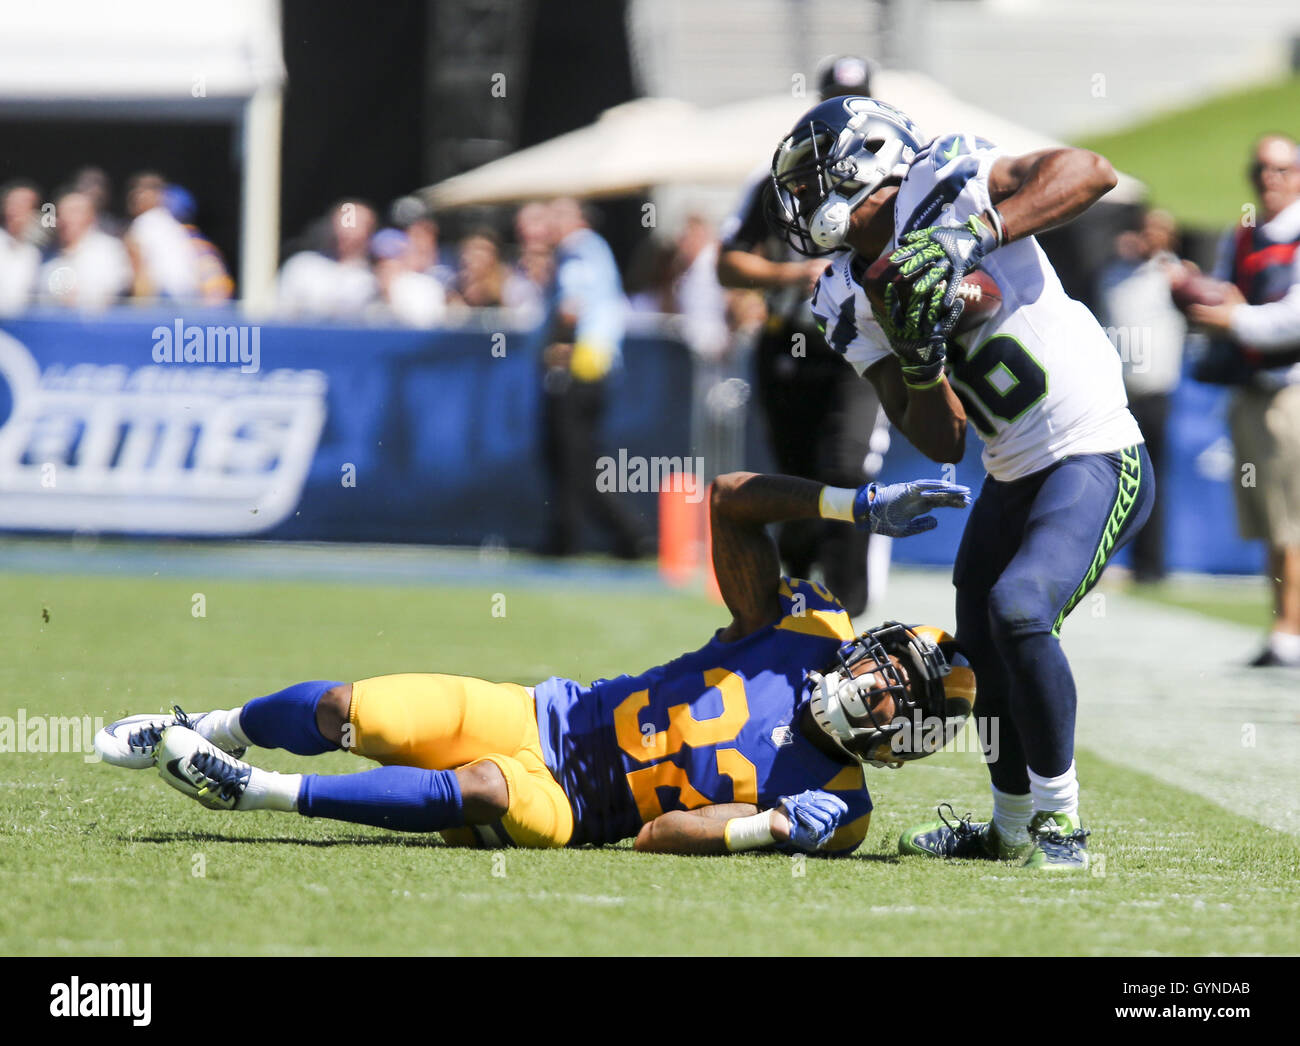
{"x": 142, "y": 423}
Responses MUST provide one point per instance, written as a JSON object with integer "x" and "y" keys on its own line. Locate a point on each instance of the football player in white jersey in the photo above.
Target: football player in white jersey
{"x": 1069, "y": 481}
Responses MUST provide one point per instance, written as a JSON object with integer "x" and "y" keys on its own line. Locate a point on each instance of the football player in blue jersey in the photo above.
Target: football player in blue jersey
{"x": 1069, "y": 480}
{"x": 757, "y": 739}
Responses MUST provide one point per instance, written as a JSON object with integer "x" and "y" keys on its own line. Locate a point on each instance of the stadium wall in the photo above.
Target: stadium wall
{"x": 379, "y": 434}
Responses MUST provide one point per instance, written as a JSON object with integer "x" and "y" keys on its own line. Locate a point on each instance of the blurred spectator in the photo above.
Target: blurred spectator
{"x": 845, "y": 74}
{"x": 91, "y": 269}
{"x": 528, "y": 280}
{"x": 1148, "y": 331}
{"x": 481, "y": 276}
{"x": 651, "y": 277}
{"x": 680, "y": 278}
{"x": 20, "y": 260}
{"x": 336, "y": 283}
{"x": 585, "y": 330}
{"x": 94, "y": 182}
{"x": 165, "y": 262}
{"x": 411, "y": 216}
{"x": 701, "y": 299}
{"x": 215, "y": 284}
{"x": 1260, "y": 318}
{"x": 409, "y": 297}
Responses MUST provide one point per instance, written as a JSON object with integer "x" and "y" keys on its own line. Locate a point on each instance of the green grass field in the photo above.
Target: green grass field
{"x": 99, "y": 860}
{"x": 1244, "y": 601}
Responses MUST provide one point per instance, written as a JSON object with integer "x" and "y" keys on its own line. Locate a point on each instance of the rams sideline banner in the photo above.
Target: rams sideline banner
{"x": 143, "y": 422}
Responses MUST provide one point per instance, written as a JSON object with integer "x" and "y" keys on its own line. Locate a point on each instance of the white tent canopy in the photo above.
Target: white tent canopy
{"x": 89, "y": 50}
{"x": 654, "y": 142}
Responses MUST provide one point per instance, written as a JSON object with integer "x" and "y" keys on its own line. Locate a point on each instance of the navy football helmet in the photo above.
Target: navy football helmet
{"x": 868, "y": 701}
{"x": 839, "y": 153}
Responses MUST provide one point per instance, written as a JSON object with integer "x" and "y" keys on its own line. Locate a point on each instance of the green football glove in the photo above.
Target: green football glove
{"x": 921, "y": 358}
{"x": 935, "y": 260}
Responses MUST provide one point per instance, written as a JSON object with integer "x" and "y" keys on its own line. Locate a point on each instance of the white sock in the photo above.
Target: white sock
{"x": 1285, "y": 645}
{"x": 222, "y": 729}
{"x": 1057, "y": 795}
{"x": 1011, "y": 815}
{"x": 271, "y": 791}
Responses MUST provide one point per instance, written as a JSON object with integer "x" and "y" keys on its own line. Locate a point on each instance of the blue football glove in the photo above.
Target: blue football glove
{"x": 935, "y": 260}
{"x": 896, "y": 510}
{"x": 813, "y": 817}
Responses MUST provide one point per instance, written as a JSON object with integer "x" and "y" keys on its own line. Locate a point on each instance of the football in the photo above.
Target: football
{"x": 977, "y": 289}
{"x": 1197, "y": 289}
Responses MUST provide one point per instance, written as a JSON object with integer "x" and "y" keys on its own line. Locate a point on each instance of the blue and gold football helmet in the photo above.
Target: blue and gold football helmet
{"x": 869, "y": 700}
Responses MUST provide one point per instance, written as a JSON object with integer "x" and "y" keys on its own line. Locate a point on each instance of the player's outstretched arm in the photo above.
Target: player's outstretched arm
{"x": 745, "y": 560}
{"x": 1041, "y": 190}
{"x": 701, "y": 831}
{"x": 805, "y": 822}
{"x": 746, "y": 270}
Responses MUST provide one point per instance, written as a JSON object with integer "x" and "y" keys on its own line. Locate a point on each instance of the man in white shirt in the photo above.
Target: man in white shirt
{"x": 20, "y": 261}
{"x": 1148, "y": 332}
{"x": 1260, "y": 316}
{"x": 91, "y": 270}
{"x": 166, "y": 262}
{"x": 314, "y": 285}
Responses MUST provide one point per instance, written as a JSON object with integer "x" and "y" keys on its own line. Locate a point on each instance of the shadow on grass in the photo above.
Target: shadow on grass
{"x": 417, "y": 841}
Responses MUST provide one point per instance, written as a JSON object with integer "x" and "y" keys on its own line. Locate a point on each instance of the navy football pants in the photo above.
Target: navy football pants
{"x": 1031, "y": 551}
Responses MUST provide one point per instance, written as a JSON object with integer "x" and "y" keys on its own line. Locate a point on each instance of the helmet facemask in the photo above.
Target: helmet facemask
{"x": 880, "y": 681}
{"x": 821, "y": 173}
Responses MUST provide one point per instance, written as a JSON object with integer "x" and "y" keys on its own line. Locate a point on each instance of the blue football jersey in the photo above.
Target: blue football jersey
{"x": 718, "y": 725}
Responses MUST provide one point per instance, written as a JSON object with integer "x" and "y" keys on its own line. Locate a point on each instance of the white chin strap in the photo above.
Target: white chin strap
{"x": 827, "y": 688}
{"x": 830, "y": 222}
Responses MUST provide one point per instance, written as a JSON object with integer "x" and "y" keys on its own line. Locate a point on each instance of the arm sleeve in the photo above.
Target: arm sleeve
{"x": 1275, "y": 325}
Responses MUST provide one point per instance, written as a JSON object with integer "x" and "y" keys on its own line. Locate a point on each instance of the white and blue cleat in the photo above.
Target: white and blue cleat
{"x": 201, "y": 770}
{"x": 133, "y": 742}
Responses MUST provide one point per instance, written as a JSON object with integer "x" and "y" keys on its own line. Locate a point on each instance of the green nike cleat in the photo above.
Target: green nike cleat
{"x": 1060, "y": 843}
{"x": 960, "y": 838}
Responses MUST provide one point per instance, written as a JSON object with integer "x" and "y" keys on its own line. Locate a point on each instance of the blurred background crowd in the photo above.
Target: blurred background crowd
{"x": 79, "y": 246}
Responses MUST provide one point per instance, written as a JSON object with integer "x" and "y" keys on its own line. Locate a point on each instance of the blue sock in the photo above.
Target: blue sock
{"x": 403, "y": 798}
{"x": 288, "y": 719}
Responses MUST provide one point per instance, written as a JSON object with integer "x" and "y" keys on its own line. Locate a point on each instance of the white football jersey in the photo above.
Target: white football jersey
{"x": 1040, "y": 380}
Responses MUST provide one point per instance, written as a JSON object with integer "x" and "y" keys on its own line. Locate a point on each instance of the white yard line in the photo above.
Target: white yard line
{"x": 1163, "y": 691}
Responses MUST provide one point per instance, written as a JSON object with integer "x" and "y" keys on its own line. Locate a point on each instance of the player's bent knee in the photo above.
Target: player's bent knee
{"x": 1017, "y": 607}
{"x": 332, "y": 711}
{"x": 483, "y": 792}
